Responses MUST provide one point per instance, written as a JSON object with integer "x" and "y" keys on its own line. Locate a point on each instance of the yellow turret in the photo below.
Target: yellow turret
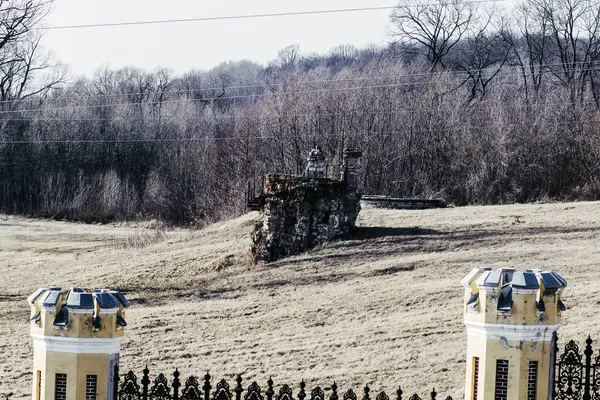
{"x": 511, "y": 317}
{"x": 77, "y": 337}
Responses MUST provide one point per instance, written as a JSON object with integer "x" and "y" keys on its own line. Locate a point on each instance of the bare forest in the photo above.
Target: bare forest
{"x": 469, "y": 102}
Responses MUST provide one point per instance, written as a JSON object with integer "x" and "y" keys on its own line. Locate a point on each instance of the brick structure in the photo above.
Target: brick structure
{"x": 301, "y": 212}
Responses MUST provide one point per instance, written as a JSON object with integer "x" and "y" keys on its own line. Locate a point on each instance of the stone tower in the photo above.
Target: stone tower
{"x": 316, "y": 165}
{"x": 351, "y": 166}
{"x": 511, "y": 317}
{"x": 77, "y": 337}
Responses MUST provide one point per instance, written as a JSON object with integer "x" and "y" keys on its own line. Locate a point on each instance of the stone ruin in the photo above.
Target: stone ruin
{"x": 301, "y": 212}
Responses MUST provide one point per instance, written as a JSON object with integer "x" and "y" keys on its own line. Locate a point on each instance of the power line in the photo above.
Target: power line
{"x": 590, "y": 66}
{"x": 233, "y": 97}
{"x": 308, "y": 136}
{"x": 263, "y": 118}
{"x": 236, "y": 17}
{"x": 314, "y": 114}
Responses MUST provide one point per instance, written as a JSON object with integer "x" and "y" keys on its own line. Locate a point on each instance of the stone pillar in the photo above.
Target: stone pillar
{"x": 315, "y": 169}
{"x": 77, "y": 338}
{"x": 510, "y": 317}
{"x": 351, "y": 166}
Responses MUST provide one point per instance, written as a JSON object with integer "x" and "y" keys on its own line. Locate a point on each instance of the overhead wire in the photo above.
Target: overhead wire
{"x": 344, "y": 113}
{"x": 590, "y": 65}
{"x": 246, "y": 16}
{"x": 367, "y": 134}
{"x": 232, "y": 97}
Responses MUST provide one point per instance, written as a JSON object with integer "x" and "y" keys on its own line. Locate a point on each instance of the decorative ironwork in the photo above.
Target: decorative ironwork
{"x": 222, "y": 392}
{"x": 191, "y": 391}
{"x": 270, "y": 392}
{"x": 253, "y": 392}
{"x": 207, "y": 386}
{"x": 596, "y": 379}
{"x": 317, "y": 394}
{"x": 127, "y": 387}
{"x": 160, "y": 390}
{"x": 145, "y": 383}
{"x": 302, "y": 393}
{"x": 349, "y": 395}
{"x": 366, "y": 391}
{"x": 569, "y": 383}
{"x": 333, "y": 395}
{"x": 130, "y": 390}
{"x": 176, "y": 384}
{"x": 285, "y": 393}
{"x": 238, "y": 388}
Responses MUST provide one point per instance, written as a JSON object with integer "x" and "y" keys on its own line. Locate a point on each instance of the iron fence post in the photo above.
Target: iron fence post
{"x": 366, "y": 391}
{"x": 145, "y": 383}
{"x": 238, "y": 388}
{"x": 553, "y": 356}
{"x": 433, "y": 394}
{"x": 270, "y": 390}
{"x": 206, "y": 386}
{"x": 334, "y": 395}
{"x": 302, "y": 393}
{"x": 588, "y": 368}
{"x": 176, "y": 385}
{"x": 116, "y": 382}
{"x": 399, "y": 393}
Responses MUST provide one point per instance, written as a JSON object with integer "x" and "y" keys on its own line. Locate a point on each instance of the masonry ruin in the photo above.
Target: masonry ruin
{"x": 301, "y": 212}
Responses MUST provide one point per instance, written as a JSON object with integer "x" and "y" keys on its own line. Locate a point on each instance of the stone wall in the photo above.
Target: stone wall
{"x": 301, "y": 212}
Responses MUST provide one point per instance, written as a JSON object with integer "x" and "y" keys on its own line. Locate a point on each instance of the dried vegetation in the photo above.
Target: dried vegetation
{"x": 383, "y": 307}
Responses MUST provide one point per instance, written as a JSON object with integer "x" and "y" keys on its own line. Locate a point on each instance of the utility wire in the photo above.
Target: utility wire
{"x": 233, "y": 97}
{"x": 319, "y": 114}
{"x": 247, "y": 16}
{"x": 590, "y": 66}
{"x": 358, "y": 112}
{"x": 364, "y": 134}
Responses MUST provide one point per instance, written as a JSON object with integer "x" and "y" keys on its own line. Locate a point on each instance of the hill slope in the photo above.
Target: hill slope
{"x": 383, "y": 308}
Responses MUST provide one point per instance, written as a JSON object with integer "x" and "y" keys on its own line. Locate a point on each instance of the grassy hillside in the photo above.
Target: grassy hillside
{"x": 383, "y": 308}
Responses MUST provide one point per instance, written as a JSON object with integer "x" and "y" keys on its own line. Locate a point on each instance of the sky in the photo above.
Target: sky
{"x": 203, "y": 45}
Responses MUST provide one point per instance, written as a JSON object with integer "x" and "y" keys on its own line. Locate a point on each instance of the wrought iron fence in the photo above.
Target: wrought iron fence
{"x": 128, "y": 388}
{"x": 577, "y": 375}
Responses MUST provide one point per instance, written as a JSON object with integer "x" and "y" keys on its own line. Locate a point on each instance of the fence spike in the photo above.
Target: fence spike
{"x": 207, "y": 386}
{"x": 399, "y": 393}
{"x": 588, "y": 384}
{"x": 366, "y": 391}
{"x": 302, "y": 393}
{"x": 433, "y": 394}
{"x": 334, "y": 395}
{"x": 145, "y": 383}
{"x": 176, "y": 384}
{"x": 270, "y": 390}
{"x": 238, "y": 388}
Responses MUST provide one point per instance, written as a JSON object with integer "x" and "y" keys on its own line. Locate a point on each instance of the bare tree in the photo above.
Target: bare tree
{"x": 432, "y": 28}
{"x": 22, "y": 61}
{"x": 483, "y": 52}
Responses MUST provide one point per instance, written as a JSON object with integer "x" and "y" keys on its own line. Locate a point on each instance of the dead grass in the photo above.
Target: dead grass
{"x": 383, "y": 307}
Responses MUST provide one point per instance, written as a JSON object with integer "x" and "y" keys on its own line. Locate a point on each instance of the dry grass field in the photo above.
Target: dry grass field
{"x": 383, "y": 308}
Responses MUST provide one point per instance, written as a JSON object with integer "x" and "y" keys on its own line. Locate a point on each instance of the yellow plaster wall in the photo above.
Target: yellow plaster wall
{"x": 39, "y": 364}
{"x": 77, "y": 367}
{"x": 518, "y": 353}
